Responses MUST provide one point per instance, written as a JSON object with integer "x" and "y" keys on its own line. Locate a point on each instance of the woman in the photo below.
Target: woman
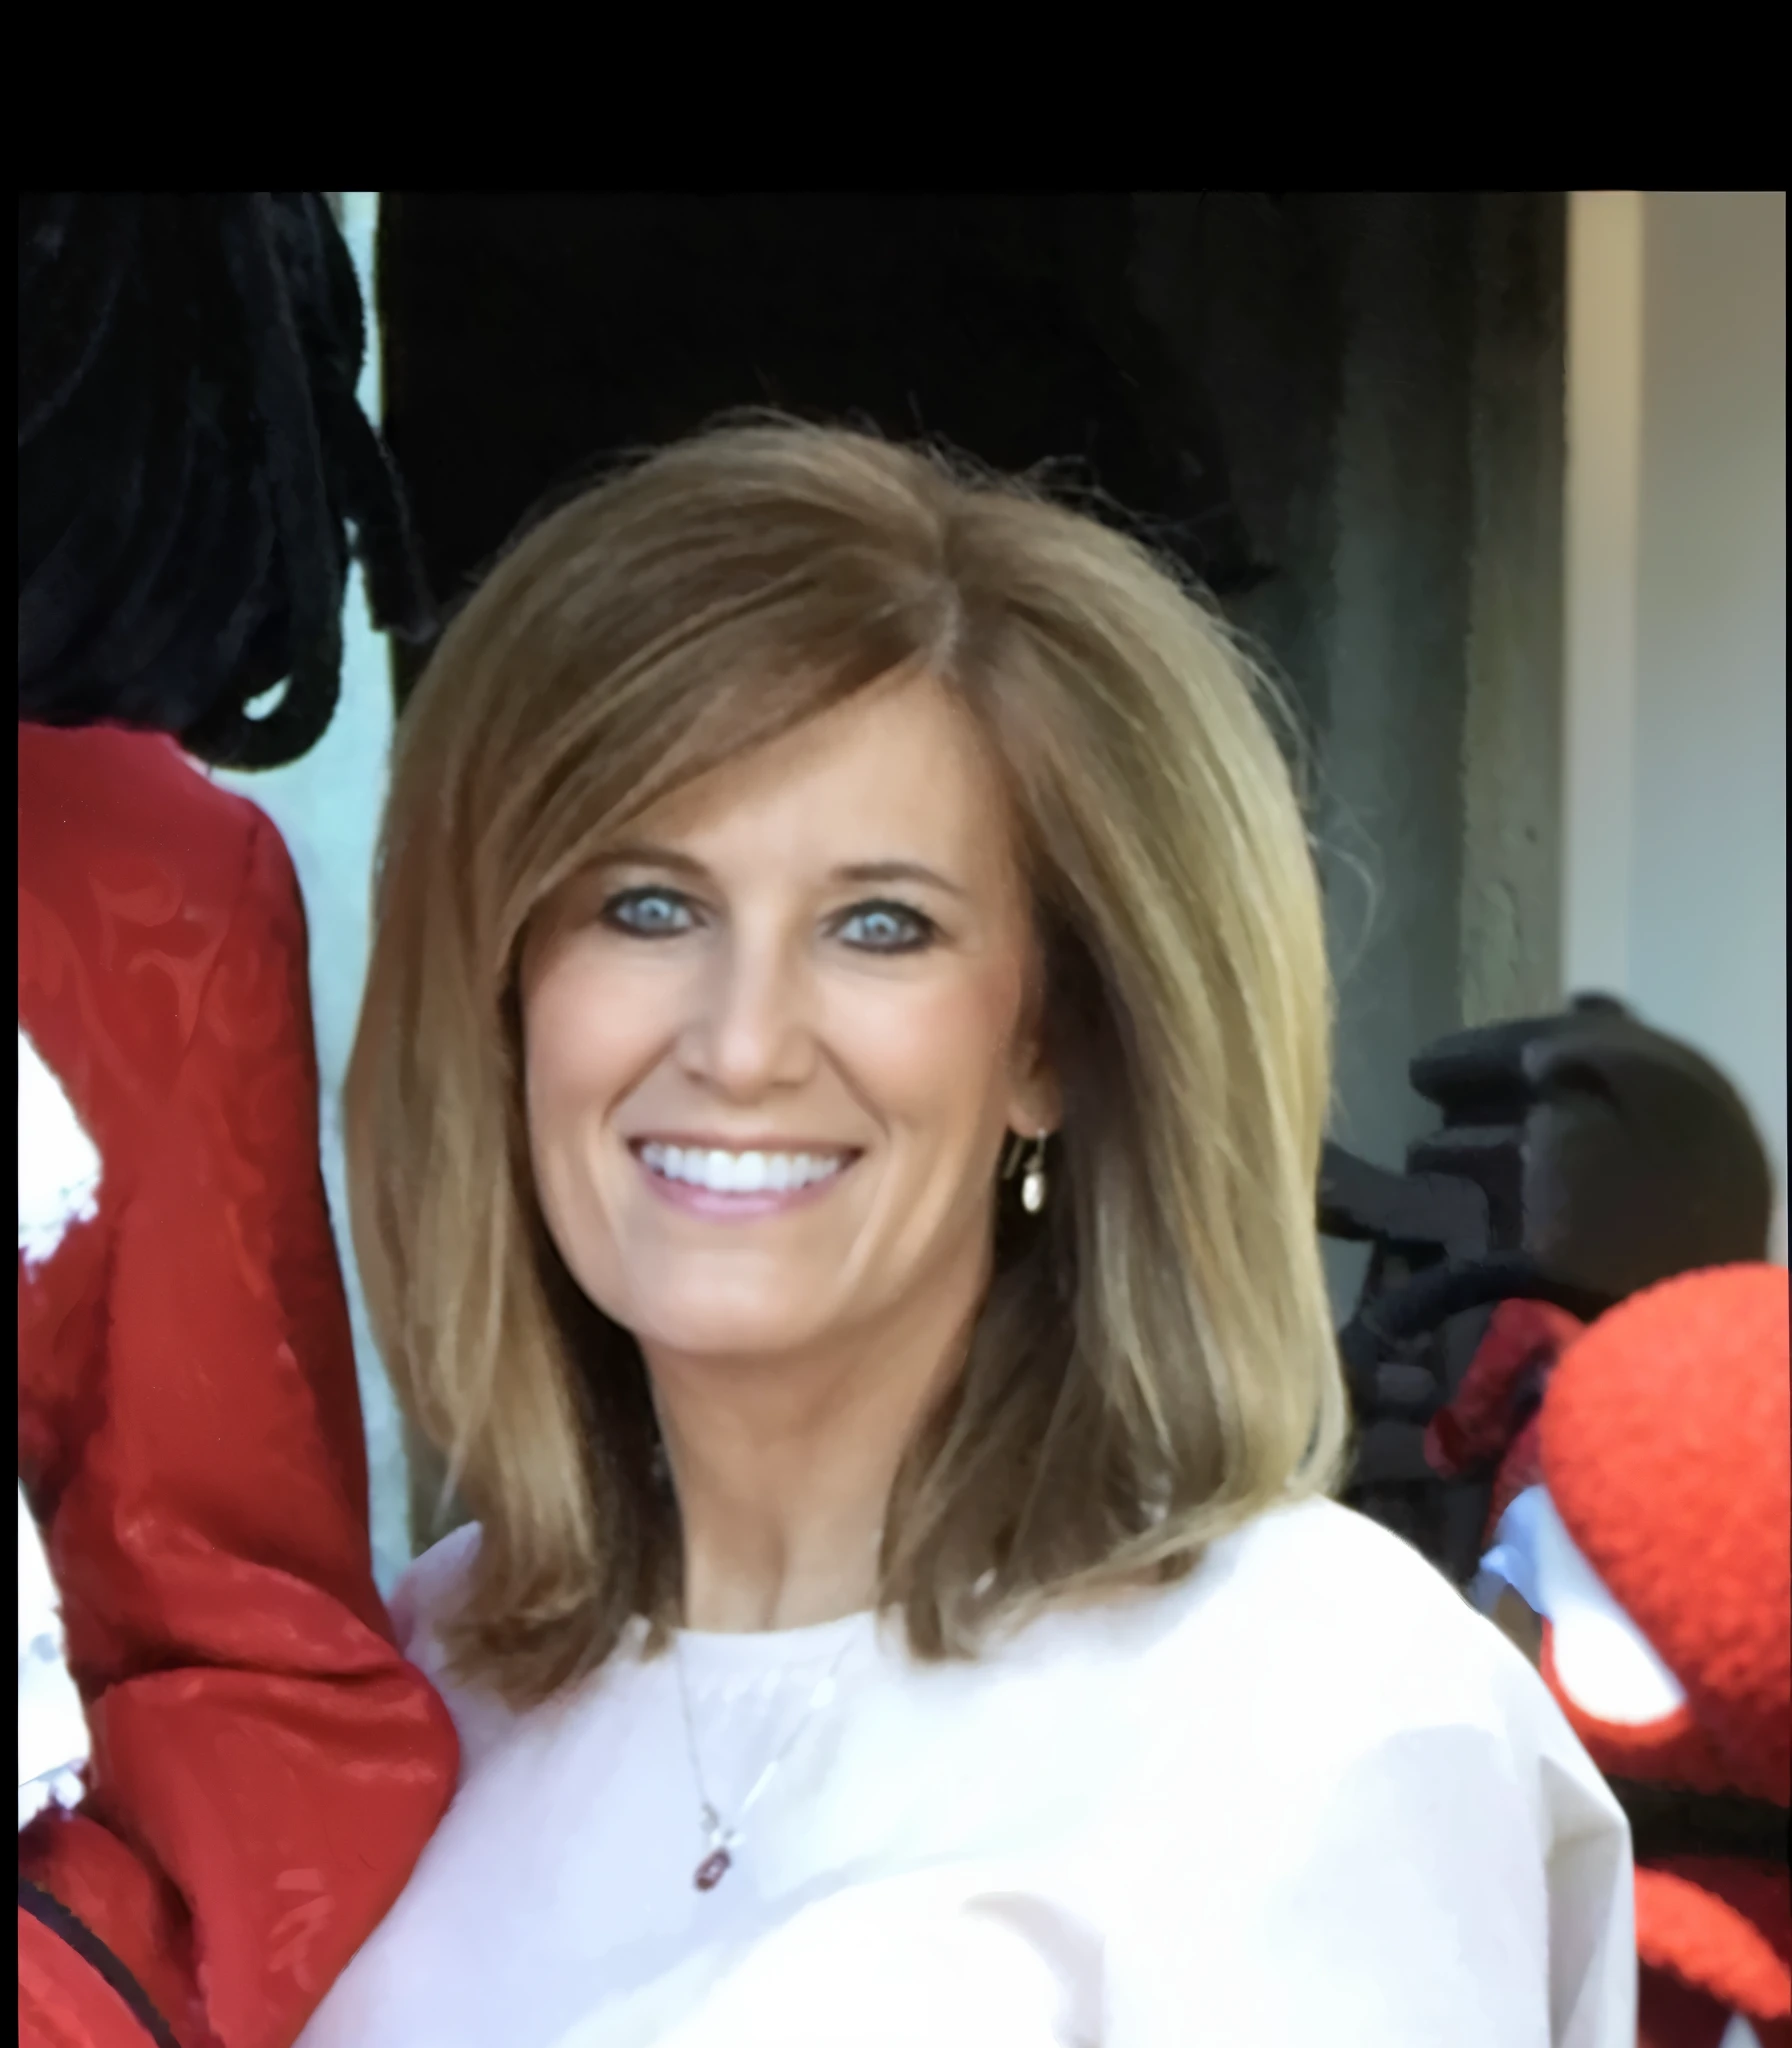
{"x": 834, "y": 1126}
{"x": 264, "y": 1765}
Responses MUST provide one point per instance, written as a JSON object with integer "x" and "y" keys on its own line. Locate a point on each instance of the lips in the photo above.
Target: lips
{"x": 741, "y": 1172}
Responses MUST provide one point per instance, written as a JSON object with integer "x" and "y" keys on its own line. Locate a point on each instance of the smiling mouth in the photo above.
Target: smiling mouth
{"x": 710, "y": 1171}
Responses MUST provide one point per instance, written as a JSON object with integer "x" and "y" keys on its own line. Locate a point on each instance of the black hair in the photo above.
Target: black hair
{"x": 195, "y": 470}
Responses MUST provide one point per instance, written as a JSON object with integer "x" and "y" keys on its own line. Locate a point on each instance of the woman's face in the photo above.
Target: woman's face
{"x": 773, "y": 1046}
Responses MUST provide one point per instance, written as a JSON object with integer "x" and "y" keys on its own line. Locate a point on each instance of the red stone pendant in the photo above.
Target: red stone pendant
{"x": 712, "y": 1870}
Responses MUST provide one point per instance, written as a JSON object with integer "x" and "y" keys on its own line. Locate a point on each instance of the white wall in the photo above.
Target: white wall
{"x": 327, "y": 808}
{"x": 1675, "y": 743}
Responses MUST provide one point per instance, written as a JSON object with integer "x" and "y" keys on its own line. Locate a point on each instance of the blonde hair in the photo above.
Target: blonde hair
{"x": 1154, "y": 1363}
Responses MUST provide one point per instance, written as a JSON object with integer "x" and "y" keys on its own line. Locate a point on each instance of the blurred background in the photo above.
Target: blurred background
{"x": 1495, "y": 480}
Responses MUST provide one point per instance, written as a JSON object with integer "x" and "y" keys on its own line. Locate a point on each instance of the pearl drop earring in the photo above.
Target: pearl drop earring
{"x": 1034, "y": 1185}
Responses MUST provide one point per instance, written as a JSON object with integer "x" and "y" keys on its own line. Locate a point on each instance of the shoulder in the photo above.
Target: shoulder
{"x": 1323, "y": 1752}
{"x": 431, "y": 1588}
{"x": 1311, "y": 1664}
{"x": 1318, "y": 1626}
{"x": 102, "y": 791}
{"x": 156, "y": 909}
{"x": 423, "y": 1603}
{"x": 137, "y": 876}
{"x": 1331, "y": 1569}
{"x": 1334, "y": 1592}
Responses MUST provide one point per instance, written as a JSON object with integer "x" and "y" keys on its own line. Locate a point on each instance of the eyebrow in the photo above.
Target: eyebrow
{"x": 863, "y": 871}
{"x": 897, "y": 871}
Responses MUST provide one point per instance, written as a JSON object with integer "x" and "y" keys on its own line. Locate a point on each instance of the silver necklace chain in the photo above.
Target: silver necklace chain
{"x": 721, "y": 1838}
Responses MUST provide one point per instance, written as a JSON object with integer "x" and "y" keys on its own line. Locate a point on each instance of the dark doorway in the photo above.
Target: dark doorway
{"x": 530, "y": 339}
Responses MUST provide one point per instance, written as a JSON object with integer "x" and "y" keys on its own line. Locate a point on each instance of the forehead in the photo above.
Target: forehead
{"x": 899, "y": 769}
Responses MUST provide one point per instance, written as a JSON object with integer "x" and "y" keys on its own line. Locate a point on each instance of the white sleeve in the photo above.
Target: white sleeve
{"x": 1430, "y": 1890}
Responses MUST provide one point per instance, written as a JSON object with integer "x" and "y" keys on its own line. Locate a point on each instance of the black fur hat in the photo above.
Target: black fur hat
{"x": 194, "y": 469}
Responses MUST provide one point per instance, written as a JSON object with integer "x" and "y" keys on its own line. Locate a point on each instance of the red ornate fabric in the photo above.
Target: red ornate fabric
{"x": 266, "y": 1768}
{"x": 65, "y": 2003}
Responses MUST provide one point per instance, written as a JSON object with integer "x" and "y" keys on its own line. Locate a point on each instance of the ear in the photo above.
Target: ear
{"x": 1035, "y": 1099}
{"x": 1035, "y": 1096}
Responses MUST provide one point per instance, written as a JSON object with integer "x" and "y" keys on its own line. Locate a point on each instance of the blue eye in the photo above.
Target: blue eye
{"x": 886, "y": 928}
{"x": 648, "y": 913}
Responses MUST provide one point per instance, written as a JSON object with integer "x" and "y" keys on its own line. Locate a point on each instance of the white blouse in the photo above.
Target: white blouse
{"x": 1308, "y": 1796}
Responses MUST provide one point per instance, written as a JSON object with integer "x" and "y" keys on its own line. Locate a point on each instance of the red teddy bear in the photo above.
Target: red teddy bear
{"x": 1641, "y": 1533}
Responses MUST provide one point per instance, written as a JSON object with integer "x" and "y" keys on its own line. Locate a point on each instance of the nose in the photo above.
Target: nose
{"x": 749, "y": 1030}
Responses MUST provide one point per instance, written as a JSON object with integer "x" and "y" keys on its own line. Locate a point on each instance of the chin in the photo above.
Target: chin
{"x": 727, "y": 1331}
{"x": 718, "y": 1313}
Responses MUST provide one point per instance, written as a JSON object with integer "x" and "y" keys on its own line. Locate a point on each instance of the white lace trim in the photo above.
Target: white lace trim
{"x": 59, "y": 1168}
{"x": 52, "y": 1726}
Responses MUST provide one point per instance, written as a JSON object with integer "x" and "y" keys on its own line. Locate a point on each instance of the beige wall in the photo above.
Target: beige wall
{"x": 1674, "y": 816}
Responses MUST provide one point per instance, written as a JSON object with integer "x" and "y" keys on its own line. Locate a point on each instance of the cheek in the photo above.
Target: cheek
{"x": 932, "y": 1052}
{"x": 583, "y": 1041}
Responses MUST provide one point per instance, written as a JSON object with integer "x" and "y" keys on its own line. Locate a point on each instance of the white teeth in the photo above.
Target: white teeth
{"x": 741, "y": 1173}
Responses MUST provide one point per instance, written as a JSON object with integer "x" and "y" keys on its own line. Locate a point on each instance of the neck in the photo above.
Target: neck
{"x": 783, "y": 1463}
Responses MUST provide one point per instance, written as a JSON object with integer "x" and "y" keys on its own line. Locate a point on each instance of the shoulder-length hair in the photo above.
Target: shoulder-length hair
{"x": 1154, "y": 1362}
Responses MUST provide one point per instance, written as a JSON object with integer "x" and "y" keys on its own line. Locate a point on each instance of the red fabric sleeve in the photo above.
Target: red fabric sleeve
{"x": 63, "y": 2002}
{"x": 266, "y": 1767}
